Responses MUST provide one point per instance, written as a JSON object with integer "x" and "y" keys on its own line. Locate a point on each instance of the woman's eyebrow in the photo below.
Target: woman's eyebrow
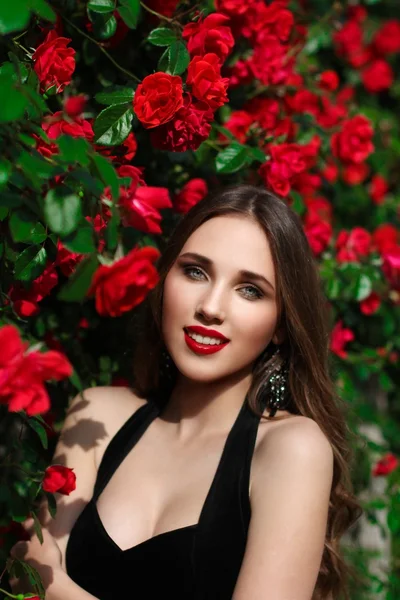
{"x": 209, "y": 263}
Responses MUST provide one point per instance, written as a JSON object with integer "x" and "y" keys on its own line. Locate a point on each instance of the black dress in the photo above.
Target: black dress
{"x": 197, "y": 562}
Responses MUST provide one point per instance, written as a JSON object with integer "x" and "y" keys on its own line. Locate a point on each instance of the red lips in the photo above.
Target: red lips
{"x": 204, "y": 331}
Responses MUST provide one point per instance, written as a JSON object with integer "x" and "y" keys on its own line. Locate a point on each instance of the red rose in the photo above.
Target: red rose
{"x": 330, "y": 113}
{"x": 263, "y": 110}
{"x": 139, "y": 203}
{"x": 238, "y": 123}
{"x": 206, "y": 82}
{"x": 340, "y": 336}
{"x": 273, "y": 19}
{"x": 123, "y": 153}
{"x": 162, "y": 7}
{"x": 190, "y": 126}
{"x": 240, "y": 73}
{"x": 354, "y": 245}
{"x": 353, "y": 144}
{"x": 286, "y": 161}
{"x": 319, "y": 206}
{"x": 58, "y": 478}
{"x": 234, "y": 8}
{"x": 123, "y": 285}
{"x": 210, "y": 35}
{"x": 158, "y": 98}
{"x": 370, "y": 305}
{"x": 191, "y": 193}
{"x": 377, "y": 76}
{"x": 329, "y": 81}
{"x": 55, "y": 125}
{"x": 54, "y": 63}
{"x": 330, "y": 171}
{"x": 270, "y": 63}
{"x": 378, "y": 189}
{"x": 391, "y": 266}
{"x": 74, "y": 105}
{"x": 355, "y": 174}
{"x": 385, "y": 237}
{"x": 25, "y": 300}
{"x": 318, "y": 232}
{"x": 349, "y": 43}
{"x": 67, "y": 260}
{"x": 385, "y": 465}
{"x": 387, "y": 39}
{"x": 23, "y": 372}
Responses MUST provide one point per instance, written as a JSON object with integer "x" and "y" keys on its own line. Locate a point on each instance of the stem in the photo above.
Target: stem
{"x": 118, "y": 66}
{"x": 10, "y": 595}
{"x": 16, "y": 466}
{"x": 212, "y": 145}
{"x": 156, "y": 14}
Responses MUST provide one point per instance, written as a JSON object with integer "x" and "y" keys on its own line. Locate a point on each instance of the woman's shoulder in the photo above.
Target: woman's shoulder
{"x": 110, "y": 407}
{"x": 293, "y": 436}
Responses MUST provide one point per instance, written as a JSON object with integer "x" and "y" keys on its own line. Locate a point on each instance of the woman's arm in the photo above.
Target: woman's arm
{"x": 289, "y": 503}
{"x": 64, "y": 588}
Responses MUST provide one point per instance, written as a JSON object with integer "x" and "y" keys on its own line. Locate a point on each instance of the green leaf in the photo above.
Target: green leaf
{"x": 24, "y": 227}
{"x": 62, "y": 211}
{"x": 107, "y": 173}
{"x": 73, "y": 150}
{"x": 19, "y": 509}
{"x": 113, "y": 124}
{"x": 34, "y": 579}
{"x": 256, "y": 153}
{"x": 13, "y": 16}
{"x": 101, "y": 6}
{"x": 81, "y": 240}
{"x": 175, "y": 59}
{"x": 129, "y": 12}
{"x": 116, "y": 96}
{"x": 162, "y": 36}
{"x": 37, "y": 526}
{"x": 103, "y": 29}
{"x": 12, "y": 100}
{"x": 78, "y": 284}
{"x": 51, "y": 504}
{"x": 363, "y": 287}
{"x": 35, "y": 166}
{"x": 10, "y": 200}
{"x": 43, "y": 9}
{"x": 39, "y": 429}
{"x": 5, "y": 170}
{"x": 111, "y": 234}
{"x": 232, "y": 158}
{"x": 224, "y": 131}
{"x": 30, "y": 263}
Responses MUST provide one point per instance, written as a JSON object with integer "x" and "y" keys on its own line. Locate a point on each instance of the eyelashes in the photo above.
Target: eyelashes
{"x": 188, "y": 269}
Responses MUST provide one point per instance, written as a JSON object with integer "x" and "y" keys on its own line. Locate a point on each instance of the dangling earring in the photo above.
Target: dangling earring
{"x": 275, "y": 390}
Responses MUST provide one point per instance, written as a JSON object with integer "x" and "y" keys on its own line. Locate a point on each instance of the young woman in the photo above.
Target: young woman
{"x": 224, "y": 472}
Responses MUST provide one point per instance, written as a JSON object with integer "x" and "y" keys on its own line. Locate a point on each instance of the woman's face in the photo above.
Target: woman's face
{"x": 216, "y": 296}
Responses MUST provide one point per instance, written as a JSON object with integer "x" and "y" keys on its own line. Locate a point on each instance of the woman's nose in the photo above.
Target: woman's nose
{"x": 211, "y": 305}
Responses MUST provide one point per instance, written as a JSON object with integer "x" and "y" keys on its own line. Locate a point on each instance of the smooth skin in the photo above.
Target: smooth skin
{"x": 292, "y": 467}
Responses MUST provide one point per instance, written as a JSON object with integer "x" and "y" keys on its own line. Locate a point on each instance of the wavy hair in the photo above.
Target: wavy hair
{"x": 303, "y": 311}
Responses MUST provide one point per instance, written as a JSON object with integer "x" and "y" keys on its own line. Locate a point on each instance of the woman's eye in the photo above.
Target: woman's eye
{"x": 187, "y": 270}
{"x": 254, "y": 296}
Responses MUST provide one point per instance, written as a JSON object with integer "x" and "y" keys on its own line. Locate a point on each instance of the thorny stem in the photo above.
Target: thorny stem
{"x": 117, "y": 65}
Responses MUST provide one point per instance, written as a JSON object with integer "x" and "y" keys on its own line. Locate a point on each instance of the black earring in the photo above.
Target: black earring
{"x": 275, "y": 392}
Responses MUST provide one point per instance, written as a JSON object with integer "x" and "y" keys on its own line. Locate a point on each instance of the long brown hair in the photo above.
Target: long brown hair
{"x": 303, "y": 311}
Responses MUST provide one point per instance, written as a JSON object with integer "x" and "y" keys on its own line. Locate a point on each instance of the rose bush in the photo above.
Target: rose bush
{"x": 116, "y": 118}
